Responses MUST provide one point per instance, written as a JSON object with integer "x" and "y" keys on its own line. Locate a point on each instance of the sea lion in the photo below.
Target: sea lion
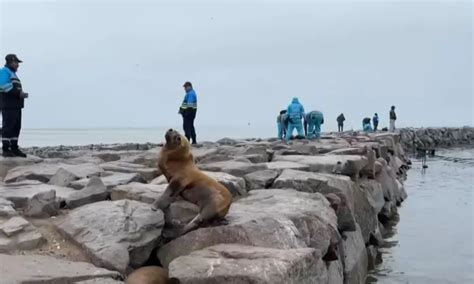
{"x": 151, "y": 275}
{"x": 176, "y": 162}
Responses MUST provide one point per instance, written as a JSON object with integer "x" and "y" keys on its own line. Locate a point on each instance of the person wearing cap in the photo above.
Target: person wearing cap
{"x": 188, "y": 110}
{"x": 11, "y": 104}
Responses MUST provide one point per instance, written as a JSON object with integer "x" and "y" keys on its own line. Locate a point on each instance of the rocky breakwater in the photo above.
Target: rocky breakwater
{"x": 431, "y": 138}
{"x": 308, "y": 212}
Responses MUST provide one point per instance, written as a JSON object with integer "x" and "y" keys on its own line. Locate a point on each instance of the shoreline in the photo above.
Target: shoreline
{"x": 323, "y": 207}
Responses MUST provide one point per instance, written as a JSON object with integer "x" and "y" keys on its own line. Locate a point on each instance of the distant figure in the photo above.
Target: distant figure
{"x": 312, "y": 124}
{"x": 340, "y": 122}
{"x": 188, "y": 110}
{"x": 295, "y": 114}
{"x": 282, "y": 123}
{"x": 375, "y": 120}
{"x": 393, "y": 118}
{"x": 366, "y": 126}
{"x": 12, "y": 100}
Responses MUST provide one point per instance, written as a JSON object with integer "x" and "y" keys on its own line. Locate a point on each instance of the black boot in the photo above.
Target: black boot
{"x": 16, "y": 150}
{"x": 7, "y": 153}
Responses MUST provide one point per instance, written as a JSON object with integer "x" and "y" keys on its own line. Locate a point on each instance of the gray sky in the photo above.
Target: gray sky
{"x": 122, "y": 63}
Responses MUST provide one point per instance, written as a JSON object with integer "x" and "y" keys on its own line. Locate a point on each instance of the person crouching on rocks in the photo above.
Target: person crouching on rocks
{"x": 313, "y": 122}
{"x": 295, "y": 114}
{"x": 366, "y": 126}
{"x": 282, "y": 124}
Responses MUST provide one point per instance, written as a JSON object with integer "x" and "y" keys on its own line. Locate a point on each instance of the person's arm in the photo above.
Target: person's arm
{"x": 6, "y": 85}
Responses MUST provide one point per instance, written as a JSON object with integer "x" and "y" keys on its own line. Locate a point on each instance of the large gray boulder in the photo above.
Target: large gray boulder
{"x": 94, "y": 191}
{"x": 260, "y": 179}
{"x": 115, "y": 234}
{"x": 236, "y": 168}
{"x": 267, "y": 218}
{"x": 111, "y": 181}
{"x": 355, "y": 257}
{"x": 283, "y": 165}
{"x": 20, "y": 193}
{"x": 123, "y": 167}
{"x": 6, "y": 164}
{"x": 342, "y": 186}
{"x": 7, "y": 208}
{"x": 45, "y": 171}
{"x": 62, "y": 178}
{"x": 17, "y": 233}
{"x": 47, "y": 269}
{"x": 42, "y": 205}
{"x": 248, "y": 264}
{"x": 349, "y": 165}
{"x": 142, "y": 192}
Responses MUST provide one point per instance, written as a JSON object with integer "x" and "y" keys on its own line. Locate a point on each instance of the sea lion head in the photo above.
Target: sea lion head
{"x": 174, "y": 140}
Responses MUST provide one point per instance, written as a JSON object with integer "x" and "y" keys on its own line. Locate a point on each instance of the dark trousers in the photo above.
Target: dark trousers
{"x": 188, "y": 124}
{"x": 11, "y": 126}
{"x": 375, "y": 126}
{"x": 340, "y": 127}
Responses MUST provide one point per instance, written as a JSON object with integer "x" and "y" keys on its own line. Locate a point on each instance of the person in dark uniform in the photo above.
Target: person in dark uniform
{"x": 11, "y": 104}
{"x": 188, "y": 110}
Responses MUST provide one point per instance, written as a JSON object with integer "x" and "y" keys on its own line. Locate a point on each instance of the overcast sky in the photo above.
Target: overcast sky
{"x": 123, "y": 63}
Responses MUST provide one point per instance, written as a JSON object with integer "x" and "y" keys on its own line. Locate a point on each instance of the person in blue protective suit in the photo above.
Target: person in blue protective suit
{"x": 295, "y": 114}
{"x": 188, "y": 110}
{"x": 375, "y": 121}
{"x": 366, "y": 126}
{"x": 11, "y": 105}
{"x": 282, "y": 124}
{"x": 313, "y": 122}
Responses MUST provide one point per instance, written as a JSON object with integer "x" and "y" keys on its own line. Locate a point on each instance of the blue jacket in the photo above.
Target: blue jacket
{"x": 375, "y": 119}
{"x": 189, "y": 101}
{"x": 295, "y": 110}
{"x": 10, "y": 90}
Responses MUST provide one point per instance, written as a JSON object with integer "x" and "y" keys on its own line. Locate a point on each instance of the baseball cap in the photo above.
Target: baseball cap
{"x": 187, "y": 84}
{"x": 12, "y": 57}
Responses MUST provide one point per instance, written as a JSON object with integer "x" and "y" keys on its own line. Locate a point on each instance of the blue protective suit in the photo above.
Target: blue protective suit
{"x": 367, "y": 128}
{"x": 314, "y": 120}
{"x": 295, "y": 114}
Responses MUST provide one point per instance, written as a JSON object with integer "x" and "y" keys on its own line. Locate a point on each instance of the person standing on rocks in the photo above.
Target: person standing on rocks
{"x": 340, "y": 122}
{"x": 295, "y": 114}
{"x": 188, "y": 110}
{"x": 312, "y": 124}
{"x": 11, "y": 103}
{"x": 393, "y": 118}
{"x": 375, "y": 120}
{"x": 282, "y": 124}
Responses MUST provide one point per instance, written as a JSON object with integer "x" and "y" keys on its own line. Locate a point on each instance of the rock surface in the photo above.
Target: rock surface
{"x": 111, "y": 181}
{"x": 246, "y": 264}
{"x": 7, "y": 208}
{"x": 94, "y": 191}
{"x": 42, "y": 205}
{"x": 260, "y": 179}
{"x": 142, "y": 192}
{"x": 18, "y": 234}
{"x": 46, "y": 269}
{"x": 122, "y": 235}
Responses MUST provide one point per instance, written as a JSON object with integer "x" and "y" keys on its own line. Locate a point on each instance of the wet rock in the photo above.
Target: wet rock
{"x": 45, "y": 171}
{"x": 111, "y": 181}
{"x": 122, "y": 235}
{"x": 365, "y": 212}
{"x": 142, "y": 192}
{"x": 260, "y": 179}
{"x": 248, "y": 264}
{"x": 42, "y": 205}
{"x": 271, "y": 218}
{"x": 323, "y": 183}
{"x": 21, "y": 192}
{"x": 238, "y": 169}
{"x": 46, "y": 269}
{"x": 94, "y": 191}
{"x": 7, "y": 208}
{"x": 62, "y": 178}
{"x": 339, "y": 164}
{"x": 355, "y": 257}
{"x": 375, "y": 193}
{"x": 122, "y": 167}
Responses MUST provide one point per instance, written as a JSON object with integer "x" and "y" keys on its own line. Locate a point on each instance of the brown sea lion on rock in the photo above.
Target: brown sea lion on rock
{"x": 150, "y": 275}
{"x": 177, "y": 164}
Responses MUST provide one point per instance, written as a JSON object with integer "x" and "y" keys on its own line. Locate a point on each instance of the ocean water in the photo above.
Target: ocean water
{"x": 434, "y": 240}
{"x": 70, "y": 137}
